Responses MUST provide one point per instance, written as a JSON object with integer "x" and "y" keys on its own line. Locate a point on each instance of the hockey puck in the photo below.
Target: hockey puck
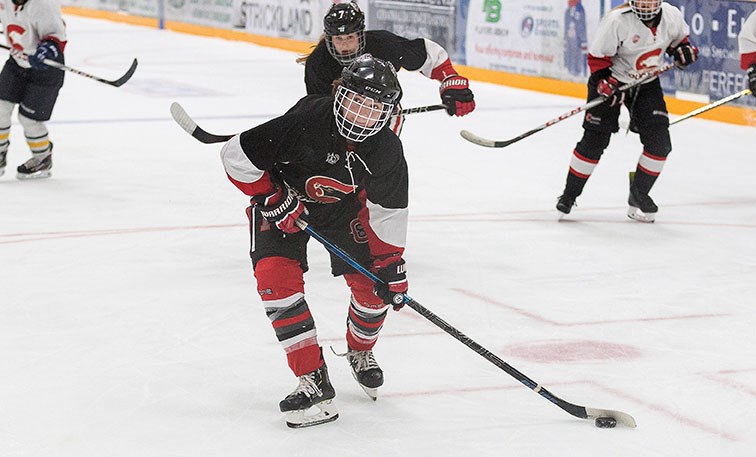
{"x": 606, "y": 422}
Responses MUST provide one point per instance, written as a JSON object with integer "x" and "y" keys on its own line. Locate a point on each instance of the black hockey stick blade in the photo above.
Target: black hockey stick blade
{"x": 191, "y": 127}
{"x": 126, "y": 76}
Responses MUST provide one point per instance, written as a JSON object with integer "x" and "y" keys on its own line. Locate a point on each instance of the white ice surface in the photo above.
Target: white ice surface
{"x": 130, "y": 324}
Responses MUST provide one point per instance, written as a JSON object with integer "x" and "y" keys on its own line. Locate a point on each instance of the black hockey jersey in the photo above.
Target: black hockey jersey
{"x": 304, "y": 148}
{"x": 321, "y": 69}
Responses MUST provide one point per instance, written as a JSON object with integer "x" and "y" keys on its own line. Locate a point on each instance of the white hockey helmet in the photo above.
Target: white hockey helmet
{"x": 646, "y": 10}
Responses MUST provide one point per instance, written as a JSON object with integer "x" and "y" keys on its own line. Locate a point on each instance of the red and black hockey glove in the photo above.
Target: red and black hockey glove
{"x": 393, "y": 274}
{"x": 281, "y": 208}
{"x": 457, "y": 96}
{"x": 684, "y": 54}
{"x": 608, "y": 88}
{"x": 752, "y": 79}
{"x": 45, "y": 50}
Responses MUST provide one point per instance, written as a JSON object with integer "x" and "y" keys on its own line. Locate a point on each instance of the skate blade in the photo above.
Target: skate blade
{"x": 2, "y": 171}
{"x": 371, "y": 392}
{"x": 302, "y": 418}
{"x": 36, "y": 175}
{"x": 637, "y": 215}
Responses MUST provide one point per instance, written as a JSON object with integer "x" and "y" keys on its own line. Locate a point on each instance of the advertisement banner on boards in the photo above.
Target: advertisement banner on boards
{"x": 714, "y": 28}
{"x": 545, "y": 39}
{"x": 432, "y": 19}
{"x": 295, "y": 19}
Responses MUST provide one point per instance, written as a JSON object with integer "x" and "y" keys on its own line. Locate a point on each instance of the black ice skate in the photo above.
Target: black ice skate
{"x": 564, "y": 204}
{"x": 366, "y": 371}
{"x": 3, "y": 162}
{"x": 314, "y": 390}
{"x": 37, "y": 167}
{"x": 642, "y": 208}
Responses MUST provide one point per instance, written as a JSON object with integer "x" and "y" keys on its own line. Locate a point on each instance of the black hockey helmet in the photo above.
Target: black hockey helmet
{"x": 374, "y": 78}
{"x": 365, "y": 97}
{"x": 344, "y": 19}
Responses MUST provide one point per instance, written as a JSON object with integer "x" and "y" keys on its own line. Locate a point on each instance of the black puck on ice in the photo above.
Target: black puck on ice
{"x": 606, "y": 422}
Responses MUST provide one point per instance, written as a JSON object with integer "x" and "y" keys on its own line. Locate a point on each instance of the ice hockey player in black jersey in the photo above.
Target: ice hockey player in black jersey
{"x": 330, "y": 160}
{"x": 630, "y": 41}
{"x": 345, "y": 38}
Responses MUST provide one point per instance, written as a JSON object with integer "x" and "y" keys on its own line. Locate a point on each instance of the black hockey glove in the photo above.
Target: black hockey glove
{"x": 45, "y": 50}
{"x": 684, "y": 54}
{"x": 457, "y": 96}
{"x": 281, "y": 208}
{"x": 752, "y": 79}
{"x": 393, "y": 274}
{"x": 608, "y": 88}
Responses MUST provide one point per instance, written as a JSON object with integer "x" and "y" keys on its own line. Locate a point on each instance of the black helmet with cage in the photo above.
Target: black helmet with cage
{"x": 646, "y": 10}
{"x": 365, "y": 97}
{"x": 344, "y": 19}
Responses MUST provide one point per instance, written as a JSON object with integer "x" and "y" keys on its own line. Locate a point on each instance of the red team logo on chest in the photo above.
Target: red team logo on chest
{"x": 327, "y": 190}
{"x": 648, "y": 60}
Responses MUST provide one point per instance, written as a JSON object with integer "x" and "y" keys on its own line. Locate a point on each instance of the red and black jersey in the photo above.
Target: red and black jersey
{"x": 304, "y": 148}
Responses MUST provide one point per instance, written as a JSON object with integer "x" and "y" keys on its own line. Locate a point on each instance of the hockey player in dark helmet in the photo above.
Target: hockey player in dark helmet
{"x": 344, "y": 27}
{"x": 331, "y": 161}
{"x": 630, "y": 42}
{"x": 365, "y": 97}
{"x": 345, "y": 38}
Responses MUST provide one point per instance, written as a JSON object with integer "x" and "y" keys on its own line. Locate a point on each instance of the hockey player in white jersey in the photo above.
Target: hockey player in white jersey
{"x": 35, "y": 30}
{"x": 630, "y": 42}
{"x": 747, "y": 46}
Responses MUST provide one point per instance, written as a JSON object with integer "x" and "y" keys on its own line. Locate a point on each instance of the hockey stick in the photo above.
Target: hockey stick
{"x": 713, "y": 105}
{"x": 191, "y": 127}
{"x": 473, "y": 138}
{"x": 422, "y": 109}
{"x": 51, "y": 63}
{"x": 576, "y": 410}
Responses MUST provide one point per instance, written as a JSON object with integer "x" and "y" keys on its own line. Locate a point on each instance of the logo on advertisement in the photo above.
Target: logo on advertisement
{"x": 178, "y": 4}
{"x": 526, "y": 26}
{"x": 492, "y": 8}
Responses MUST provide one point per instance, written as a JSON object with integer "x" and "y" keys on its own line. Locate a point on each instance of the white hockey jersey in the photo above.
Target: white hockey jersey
{"x": 747, "y": 42}
{"x": 632, "y": 49}
{"x": 26, "y": 26}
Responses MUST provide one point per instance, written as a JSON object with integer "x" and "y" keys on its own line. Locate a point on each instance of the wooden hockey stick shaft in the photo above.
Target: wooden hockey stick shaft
{"x": 51, "y": 63}
{"x": 480, "y": 141}
{"x": 712, "y": 105}
{"x": 573, "y": 409}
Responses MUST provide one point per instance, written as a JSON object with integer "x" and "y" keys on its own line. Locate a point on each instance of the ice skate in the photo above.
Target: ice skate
{"x": 564, "y": 205}
{"x": 38, "y": 167}
{"x": 311, "y": 402}
{"x": 3, "y": 162}
{"x": 642, "y": 207}
{"x": 366, "y": 371}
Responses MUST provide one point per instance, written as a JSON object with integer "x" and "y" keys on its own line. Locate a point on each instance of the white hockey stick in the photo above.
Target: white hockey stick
{"x": 480, "y": 141}
{"x": 712, "y": 105}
